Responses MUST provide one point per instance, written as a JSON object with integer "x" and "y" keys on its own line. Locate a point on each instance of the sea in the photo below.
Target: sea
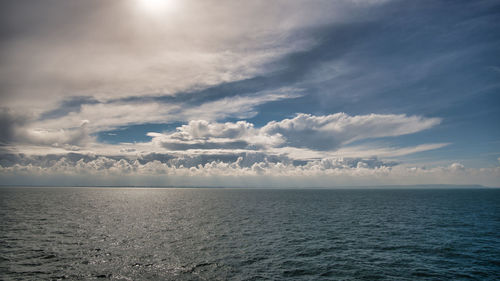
{"x": 249, "y": 234}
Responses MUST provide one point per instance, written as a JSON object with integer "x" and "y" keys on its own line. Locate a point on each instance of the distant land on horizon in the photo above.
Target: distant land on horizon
{"x": 413, "y": 186}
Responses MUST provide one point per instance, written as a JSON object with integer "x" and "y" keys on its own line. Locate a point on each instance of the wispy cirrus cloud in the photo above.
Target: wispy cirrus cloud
{"x": 85, "y": 48}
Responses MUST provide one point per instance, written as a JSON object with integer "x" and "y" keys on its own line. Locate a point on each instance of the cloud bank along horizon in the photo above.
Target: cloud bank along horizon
{"x": 239, "y": 93}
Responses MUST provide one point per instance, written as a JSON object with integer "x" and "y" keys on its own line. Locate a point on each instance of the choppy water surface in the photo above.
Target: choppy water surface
{"x": 245, "y": 234}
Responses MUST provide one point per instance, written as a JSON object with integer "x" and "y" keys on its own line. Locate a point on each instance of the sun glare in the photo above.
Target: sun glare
{"x": 156, "y": 6}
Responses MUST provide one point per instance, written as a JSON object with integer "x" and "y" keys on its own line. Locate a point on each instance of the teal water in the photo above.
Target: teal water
{"x": 249, "y": 234}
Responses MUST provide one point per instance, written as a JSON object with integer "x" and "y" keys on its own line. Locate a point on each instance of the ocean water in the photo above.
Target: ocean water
{"x": 248, "y": 234}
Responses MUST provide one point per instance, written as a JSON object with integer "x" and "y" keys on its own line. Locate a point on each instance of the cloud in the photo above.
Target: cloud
{"x": 86, "y": 49}
{"x": 329, "y": 132}
{"x": 386, "y": 151}
{"x": 74, "y": 130}
{"x": 112, "y": 115}
{"x": 242, "y": 106}
{"x": 222, "y": 144}
{"x": 304, "y": 137}
{"x": 201, "y": 134}
{"x": 324, "y": 133}
{"x": 242, "y": 171}
{"x": 240, "y": 160}
{"x": 205, "y": 129}
{"x": 9, "y": 122}
{"x": 73, "y": 74}
{"x": 17, "y": 129}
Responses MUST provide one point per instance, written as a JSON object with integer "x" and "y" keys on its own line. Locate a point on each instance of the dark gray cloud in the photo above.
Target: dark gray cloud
{"x": 15, "y": 129}
{"x": 72, "y": 104}
{"x": 9, "y": 122}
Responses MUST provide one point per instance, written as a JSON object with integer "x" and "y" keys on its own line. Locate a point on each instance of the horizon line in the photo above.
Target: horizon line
{"x": 391, "y": 186}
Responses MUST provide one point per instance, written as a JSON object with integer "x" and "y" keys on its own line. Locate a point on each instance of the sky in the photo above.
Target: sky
{"x": 281, "y": 93}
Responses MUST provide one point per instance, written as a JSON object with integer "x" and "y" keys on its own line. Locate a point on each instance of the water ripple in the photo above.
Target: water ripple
{"x": 243, "y": 234}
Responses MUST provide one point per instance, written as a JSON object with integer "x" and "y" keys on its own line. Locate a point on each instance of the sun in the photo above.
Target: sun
{"x": 156, "y": 6}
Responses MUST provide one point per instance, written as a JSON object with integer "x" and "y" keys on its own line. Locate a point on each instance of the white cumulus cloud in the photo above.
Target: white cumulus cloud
{"x": 331, "y": 131}
{"x": 323, "y": 133}
{"x": 85, "y": 169}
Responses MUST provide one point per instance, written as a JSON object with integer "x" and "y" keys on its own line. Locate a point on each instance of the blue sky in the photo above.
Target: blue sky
{"x": 323, "y": 92}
